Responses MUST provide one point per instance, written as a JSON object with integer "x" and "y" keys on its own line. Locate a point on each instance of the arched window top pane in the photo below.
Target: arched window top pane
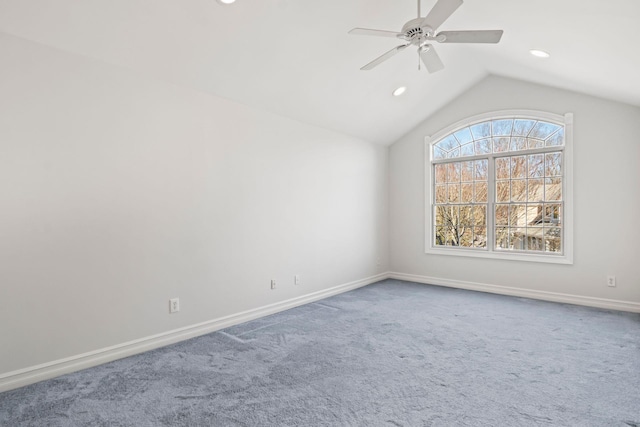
{"x": 502, "y": 127}
{"x": 543, "y": 130}
{"x": 448, "y": 143}
{"x": 464, "y": 135}
{"x": 498, "y": 135}
{"x": 522, "y": 127}
{"x": 481, "y": 130}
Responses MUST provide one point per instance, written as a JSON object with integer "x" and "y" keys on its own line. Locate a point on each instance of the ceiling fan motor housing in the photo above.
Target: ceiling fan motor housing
{"x": 413, "y": 31}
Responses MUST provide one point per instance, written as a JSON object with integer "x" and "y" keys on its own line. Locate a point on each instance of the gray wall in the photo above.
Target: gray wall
{"x": 606, "y": 196}
{"x": 119, "y": 192}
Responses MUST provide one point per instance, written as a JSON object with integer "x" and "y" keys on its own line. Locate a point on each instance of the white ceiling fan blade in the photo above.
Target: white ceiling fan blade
{"x": 368, "y": 32}
{"x": 384, "y": 57}
{"x": 430, "y": 59}
{"x": 440, "y": 12}
{"x": 481, "y": 36}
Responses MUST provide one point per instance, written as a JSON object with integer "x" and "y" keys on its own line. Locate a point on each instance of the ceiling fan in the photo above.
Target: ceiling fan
{"x": 421, "y": 31}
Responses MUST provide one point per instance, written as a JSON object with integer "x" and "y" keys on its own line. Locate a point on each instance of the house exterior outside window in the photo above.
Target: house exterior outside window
{"x": 499, "y": 185}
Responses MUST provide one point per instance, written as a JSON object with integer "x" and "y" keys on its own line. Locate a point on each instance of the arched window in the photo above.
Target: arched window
{"x": 499, "y": 186}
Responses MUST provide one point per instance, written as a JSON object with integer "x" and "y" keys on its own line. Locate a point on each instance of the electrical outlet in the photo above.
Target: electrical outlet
{"x": 296, "y": 279}
{"x": 174, "y": 305}
{"x": 611, "y": 281}
{"x": 273, "y": 284}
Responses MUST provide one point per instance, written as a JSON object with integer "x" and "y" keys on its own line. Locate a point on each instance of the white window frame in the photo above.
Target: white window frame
{"x": 490, "y": 252}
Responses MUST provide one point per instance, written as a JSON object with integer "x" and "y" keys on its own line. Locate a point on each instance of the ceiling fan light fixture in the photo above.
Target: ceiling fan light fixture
{"x": 539, "y": 53}
{"x": 399, "y": 91}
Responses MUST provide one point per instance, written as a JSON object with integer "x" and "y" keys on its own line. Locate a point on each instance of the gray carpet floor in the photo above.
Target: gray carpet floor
{"x": 390, "y": 354}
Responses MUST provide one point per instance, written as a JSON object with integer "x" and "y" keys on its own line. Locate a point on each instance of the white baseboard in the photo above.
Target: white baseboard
{"x": 55, "y": 368}
{"x": 518, "y": 292}
{"x": 33, "y": 374}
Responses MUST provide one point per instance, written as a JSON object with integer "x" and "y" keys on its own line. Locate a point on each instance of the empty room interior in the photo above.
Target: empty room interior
{"x": 299, "y": 213}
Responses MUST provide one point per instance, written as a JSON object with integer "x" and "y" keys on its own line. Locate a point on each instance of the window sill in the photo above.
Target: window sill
{"x": 472, "y": 253}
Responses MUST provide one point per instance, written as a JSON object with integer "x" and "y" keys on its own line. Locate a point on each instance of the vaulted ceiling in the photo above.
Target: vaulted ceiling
{"x": 295, "y": 58}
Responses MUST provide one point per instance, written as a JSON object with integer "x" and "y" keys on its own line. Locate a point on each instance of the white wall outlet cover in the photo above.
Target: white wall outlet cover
{"x": 174, "y": 305}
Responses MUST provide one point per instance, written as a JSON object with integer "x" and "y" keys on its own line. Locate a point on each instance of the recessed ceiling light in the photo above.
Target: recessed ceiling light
{"x": 399, "y": 91}
{"x": 226, "y": 1}
{"x": 539, "y": 53}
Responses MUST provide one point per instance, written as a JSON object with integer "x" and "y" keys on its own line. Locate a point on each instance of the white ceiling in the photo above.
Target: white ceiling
{"x": 295, "y": 58}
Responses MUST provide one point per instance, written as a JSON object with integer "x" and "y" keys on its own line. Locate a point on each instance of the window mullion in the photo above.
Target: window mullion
{"x": 491, "y": 194}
